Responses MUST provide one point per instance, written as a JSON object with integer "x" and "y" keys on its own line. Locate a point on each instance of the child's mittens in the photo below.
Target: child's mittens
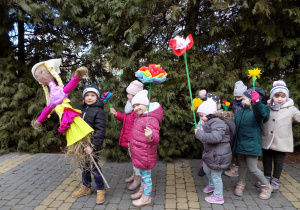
{"x": 81, "y": 71}
{"x": 255, "y": 97}
{"x": 36, "y": 125}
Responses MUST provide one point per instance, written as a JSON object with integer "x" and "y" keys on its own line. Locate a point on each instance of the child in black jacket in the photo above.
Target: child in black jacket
{"x": 94, "y": 115}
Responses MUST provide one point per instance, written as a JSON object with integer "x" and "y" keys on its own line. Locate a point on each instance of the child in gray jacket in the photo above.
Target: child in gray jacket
{"x": 216, "y": 155}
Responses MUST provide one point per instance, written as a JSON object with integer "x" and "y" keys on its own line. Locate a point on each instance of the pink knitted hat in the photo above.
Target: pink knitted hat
{"x": 141, "y": 98}
{"x": 134, "y": 87}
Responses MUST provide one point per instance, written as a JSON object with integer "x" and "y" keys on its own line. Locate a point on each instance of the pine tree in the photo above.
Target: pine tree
{"x": 230, "y": 37}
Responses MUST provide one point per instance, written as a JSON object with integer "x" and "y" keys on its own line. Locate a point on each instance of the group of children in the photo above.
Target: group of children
{"x": 250, "y": 130}
{"x": 139, "y": 138}
{"x": 253, "y": 129}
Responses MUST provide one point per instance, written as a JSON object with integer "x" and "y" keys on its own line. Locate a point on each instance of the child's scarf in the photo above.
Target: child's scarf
{"x": 128, "y": 107}
{"x": 274, "y": 106}
{"x": 238, "y": 102}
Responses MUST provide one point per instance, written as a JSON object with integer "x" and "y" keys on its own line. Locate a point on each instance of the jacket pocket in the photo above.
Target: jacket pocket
{"x": 284, "y": 131}
{"x": 246, "y": 143}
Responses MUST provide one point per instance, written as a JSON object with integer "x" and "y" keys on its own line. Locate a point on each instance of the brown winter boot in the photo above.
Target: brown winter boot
{"x": 138, "y": 194}
{"x": 266, "y": 191}
{"x": 136, "y": 183}
{"x": 81, "y": 192}
{"x": 143, "y": 201}
{"x": 130, "y": 179}
{"x": 100, "y": 196}
{"x": 239, "y": 189}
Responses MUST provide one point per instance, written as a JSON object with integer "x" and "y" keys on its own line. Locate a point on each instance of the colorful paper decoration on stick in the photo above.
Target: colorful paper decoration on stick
{"x": 152, "y": 74}
{"x": 180, "y": 46}
{"x": 225, "y": 105}
{"x": 254, "y": 74}
{"x": 105, "y": 98}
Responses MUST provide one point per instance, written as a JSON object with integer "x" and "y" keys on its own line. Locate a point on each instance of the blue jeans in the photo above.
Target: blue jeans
{"x": 87, "y": 177}
{"x": 146, "y": 181}
{"x": 214, "y": 180}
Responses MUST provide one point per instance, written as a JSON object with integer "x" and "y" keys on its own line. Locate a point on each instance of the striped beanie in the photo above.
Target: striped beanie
{"x": 91, "y": 88}
{"x": 279, "y": 86}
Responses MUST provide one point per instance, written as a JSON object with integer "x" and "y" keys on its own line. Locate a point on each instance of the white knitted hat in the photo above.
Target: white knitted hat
{"x": 208, "y": 107}
{"x": 141, "y": 98}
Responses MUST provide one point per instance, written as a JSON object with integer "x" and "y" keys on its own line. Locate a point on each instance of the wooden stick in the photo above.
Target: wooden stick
{"x": 99, "y": 171}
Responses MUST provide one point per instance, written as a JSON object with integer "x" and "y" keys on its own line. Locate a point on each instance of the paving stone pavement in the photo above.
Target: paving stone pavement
{"x": 46, "y": 181}
{"x": 250, "y": 199}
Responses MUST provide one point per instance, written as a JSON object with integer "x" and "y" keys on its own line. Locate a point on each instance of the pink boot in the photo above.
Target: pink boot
{"x": 138, "y": 194}
{"x": 136, "y": 183}
{"x": 143, "y": 201}
{"x": 130, "y": 179}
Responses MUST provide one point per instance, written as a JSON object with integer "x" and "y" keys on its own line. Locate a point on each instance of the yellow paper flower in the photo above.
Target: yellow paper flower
{"x": 196, "y": 102}
{"x": 254, "y": 73}
{"x": 227, "y": 103}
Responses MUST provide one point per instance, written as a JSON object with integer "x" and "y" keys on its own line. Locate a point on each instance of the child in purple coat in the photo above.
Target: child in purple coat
{"x": 143, "y": 144}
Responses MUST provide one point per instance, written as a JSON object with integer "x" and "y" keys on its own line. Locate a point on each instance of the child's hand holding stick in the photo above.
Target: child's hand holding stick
{"x": 148, "y": 133}
{"x": 88, "y": 150}
{"x": 113, "y": 112}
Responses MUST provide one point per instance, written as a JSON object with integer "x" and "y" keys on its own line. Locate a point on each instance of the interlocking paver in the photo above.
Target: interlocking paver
{"x": 46, "y": 181}
{"x": 286, "y": 198}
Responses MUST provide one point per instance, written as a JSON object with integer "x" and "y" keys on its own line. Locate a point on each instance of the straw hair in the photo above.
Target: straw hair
{"x": 46, "y": 91}
{"x": 56, "y": 76}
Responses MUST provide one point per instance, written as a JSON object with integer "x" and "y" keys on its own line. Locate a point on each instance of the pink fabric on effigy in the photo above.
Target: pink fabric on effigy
{"x": 67, "y": 119}
{"x": 43, "y": 116}
{"x": 72, "y": 84}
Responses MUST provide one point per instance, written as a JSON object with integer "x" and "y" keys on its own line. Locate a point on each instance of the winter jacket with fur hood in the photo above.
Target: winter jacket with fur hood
{"x": 277, "y": 133}
{"x": 144, "y": 151}
{"x": 94, "y": 115}
{"x": 215, "y": 137}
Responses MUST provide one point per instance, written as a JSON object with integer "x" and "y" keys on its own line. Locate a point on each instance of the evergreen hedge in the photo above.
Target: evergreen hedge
{"x": 230, "y": 38}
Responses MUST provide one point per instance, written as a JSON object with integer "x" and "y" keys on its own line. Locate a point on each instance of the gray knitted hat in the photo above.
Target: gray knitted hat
{"x": 239, "y": 88}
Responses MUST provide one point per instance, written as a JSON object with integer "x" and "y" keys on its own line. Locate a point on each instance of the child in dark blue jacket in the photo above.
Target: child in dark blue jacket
{"x": 94, "y": 115}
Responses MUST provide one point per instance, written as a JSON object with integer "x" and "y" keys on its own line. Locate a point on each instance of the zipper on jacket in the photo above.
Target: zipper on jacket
{"x": 245, "y": 115}
{"x": 84, "y": 112}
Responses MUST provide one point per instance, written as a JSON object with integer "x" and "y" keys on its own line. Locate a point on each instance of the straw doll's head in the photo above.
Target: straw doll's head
{"x": 45, "y": 72}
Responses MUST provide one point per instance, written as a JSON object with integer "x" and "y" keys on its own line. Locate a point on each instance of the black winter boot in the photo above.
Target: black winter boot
{"x": 201, "y": 172}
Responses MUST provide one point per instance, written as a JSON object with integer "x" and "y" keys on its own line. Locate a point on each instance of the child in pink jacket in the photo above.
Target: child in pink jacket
{"x": 127, "y": 118}
{"x": 143, "y": 144}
